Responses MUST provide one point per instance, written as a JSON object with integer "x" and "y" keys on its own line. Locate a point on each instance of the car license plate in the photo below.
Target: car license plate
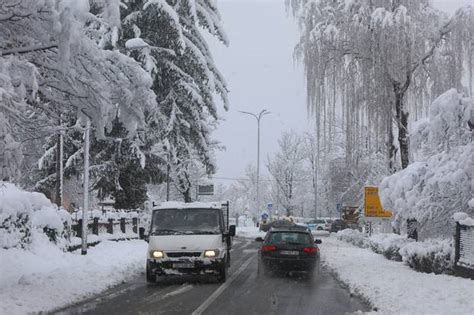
{"x": 183, "y": 265}
{"x": 289, "y": 252}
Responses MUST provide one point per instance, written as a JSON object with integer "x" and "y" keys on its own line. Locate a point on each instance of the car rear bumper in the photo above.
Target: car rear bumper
{"x": 292, "y": 264}
{"x": 200, "y": 267}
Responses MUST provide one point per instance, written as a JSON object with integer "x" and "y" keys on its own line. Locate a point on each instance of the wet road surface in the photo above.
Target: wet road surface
{"x": 244, "y": 292}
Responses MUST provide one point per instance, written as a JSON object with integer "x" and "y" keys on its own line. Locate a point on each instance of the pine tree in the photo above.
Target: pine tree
{"x": 185, "y": 80}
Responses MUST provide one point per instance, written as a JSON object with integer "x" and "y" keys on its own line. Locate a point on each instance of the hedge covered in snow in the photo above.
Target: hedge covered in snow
{"x": 430, "y": 256}
{"x": 27, "y": 216}
{"x": 440, "y": 181}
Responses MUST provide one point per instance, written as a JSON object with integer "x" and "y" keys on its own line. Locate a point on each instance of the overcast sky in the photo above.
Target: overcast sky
{"x": 261, "y": 74}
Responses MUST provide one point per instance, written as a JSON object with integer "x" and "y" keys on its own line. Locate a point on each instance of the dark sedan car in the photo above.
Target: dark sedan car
{"x": 289, "y": 249}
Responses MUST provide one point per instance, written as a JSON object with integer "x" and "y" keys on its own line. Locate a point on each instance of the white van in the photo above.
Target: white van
{"x": 189, "y": 238}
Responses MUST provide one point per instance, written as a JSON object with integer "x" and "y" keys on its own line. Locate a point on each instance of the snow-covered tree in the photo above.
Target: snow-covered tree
{"x": 166, "y": 37}
{"x": 10, "y": 153}
{"x": 288, "y": 171}
{"x": 375, "y": 63}
{"x": 439, "y": 183}
{"x": 57, "y": 59}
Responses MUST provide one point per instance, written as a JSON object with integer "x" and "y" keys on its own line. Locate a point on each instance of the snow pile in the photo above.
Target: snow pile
{"x": 249, "y": 232}
{"x": 440, "y": 183}
{"x": 463, "y": 219}
{"x": 429, "y": 256}
{"x": 392, "y": 287}
{"x": 24, "y": 215}
{"x": 45, "y": 278}
{"x": 389, "y": 245}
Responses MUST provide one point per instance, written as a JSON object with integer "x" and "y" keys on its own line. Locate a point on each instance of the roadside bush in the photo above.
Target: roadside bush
{"x": 22, "y": 213}
{"x": 353, "y": 237}
{"x": 431, "y": 256}
{"x": 389, "y": 245}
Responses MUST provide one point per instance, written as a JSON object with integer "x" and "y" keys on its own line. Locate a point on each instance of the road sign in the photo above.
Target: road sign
{"x": 270, "y": 206}
{"x": 339, "y": 207}
{"x": 206, "y": 190}
{"x": 264, "y": 216}
{"x": 372, "y": 205}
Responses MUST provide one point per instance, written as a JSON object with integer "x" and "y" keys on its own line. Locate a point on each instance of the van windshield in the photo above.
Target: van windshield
{"x": 186, "y": 221}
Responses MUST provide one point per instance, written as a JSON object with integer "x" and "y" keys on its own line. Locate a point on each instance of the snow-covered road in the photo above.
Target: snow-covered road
{"x": 46, "y": 278}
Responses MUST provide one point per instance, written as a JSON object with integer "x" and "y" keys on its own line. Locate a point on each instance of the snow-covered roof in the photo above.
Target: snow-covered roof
{"x": 191, "y": 205}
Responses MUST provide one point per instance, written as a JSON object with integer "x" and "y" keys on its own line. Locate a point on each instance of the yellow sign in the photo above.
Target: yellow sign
{"x": 372, "y": 205}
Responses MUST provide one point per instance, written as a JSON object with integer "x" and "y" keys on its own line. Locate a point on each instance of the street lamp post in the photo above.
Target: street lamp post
{"x": 258, "y": 117}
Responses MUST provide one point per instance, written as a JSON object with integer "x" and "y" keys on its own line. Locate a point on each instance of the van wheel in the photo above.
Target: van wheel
{"x": 222, "y": 276}
{"x": 228, "y": 259}
{"x": 151, "y": 279}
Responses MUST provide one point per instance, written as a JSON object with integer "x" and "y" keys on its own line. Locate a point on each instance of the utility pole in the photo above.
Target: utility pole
{"x": 168, "y": 180}
{"x": 61, "y": 166}
{"x": 85, "y": 209}
{"x": 258, "y": 118}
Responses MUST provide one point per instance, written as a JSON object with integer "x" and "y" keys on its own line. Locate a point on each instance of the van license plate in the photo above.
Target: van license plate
{"x": 183, "y": 265}
{"x": 289, "y": 252}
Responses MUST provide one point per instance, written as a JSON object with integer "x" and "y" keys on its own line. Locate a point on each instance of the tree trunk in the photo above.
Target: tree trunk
{"x": 187, "y": 196}
{"x": 392, "y": 150}
{"x": 402, "y": 124}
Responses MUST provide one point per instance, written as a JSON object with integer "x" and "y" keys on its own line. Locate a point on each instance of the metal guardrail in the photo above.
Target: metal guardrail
{"x": 464, "y": 251}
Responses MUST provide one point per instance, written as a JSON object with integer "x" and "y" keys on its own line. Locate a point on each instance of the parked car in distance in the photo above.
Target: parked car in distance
{"x": 291, "y": 248}
{"x": 320, "y": 225}
{"x": 338, "y": 225}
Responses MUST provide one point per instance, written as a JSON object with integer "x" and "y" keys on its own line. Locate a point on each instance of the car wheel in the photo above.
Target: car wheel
{"x": 151, "y": 279}
{"x": 319, "y": 228}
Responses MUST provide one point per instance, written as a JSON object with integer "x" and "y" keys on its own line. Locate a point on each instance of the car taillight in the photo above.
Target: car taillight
{"x": 268, "y": 248}
{"x": 310, "y": 250}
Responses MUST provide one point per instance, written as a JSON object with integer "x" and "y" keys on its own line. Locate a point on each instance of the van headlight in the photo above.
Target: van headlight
{"x": 211, "y": 253}
{"x": 156, "y": 254}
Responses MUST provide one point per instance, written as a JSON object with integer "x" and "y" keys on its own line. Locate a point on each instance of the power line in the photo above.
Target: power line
{"x": 264, "y": 180}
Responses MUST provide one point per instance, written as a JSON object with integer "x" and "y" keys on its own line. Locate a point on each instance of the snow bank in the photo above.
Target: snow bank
{"x": 394, "y": 288}
{"x": 45, "y": 278}
{"x": 440, "y": 183}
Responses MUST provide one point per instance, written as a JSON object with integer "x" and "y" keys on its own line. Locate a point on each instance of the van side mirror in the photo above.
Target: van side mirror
{"x": 259, "y": 239}
{"x": 232, "y": 230}
{"x": 146, "y": 238}
{"x": 317, "y": 241}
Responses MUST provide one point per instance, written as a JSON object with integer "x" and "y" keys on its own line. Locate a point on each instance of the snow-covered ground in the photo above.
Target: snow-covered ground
{"x": 46, "y": 278}
{"x": 394, "y": 288}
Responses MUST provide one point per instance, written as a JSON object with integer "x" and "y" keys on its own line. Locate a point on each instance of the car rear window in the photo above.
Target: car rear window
{"x": 289, "y": 238}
